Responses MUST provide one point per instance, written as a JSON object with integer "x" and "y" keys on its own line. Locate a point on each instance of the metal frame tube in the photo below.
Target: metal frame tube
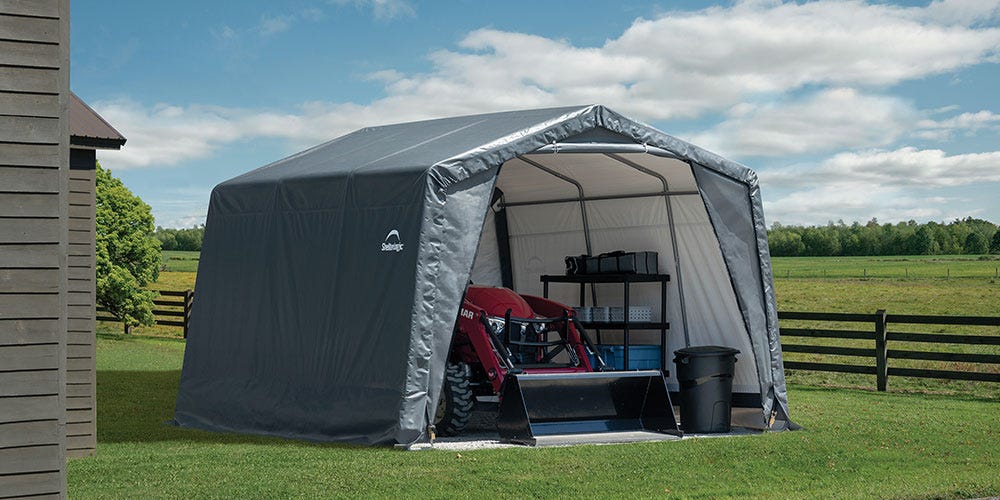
{"x": 673, "y": 235}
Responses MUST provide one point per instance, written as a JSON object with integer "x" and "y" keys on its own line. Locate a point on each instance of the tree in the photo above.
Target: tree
{"x": 995, "y": 244}
{"x": 976, "y": 244}
{"x": 128, "y": 256}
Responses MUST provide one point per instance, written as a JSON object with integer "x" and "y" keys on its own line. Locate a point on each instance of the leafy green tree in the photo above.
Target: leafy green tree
{"x": 128, "y": 256}
{"x": 976, "y": 243}
{"x": 995, "y": 244}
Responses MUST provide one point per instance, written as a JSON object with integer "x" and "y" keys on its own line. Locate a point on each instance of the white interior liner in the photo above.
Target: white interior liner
{"x": 542, "y": 235}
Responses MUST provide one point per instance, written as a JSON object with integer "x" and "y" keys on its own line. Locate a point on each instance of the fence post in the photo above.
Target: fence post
{"x": 881, "y": 352}
{"x": 188, "y": 299}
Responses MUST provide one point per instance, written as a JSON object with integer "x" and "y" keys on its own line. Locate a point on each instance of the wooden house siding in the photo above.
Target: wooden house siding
{"x": 81, "y": 376}
{"x": 34, "y": 167}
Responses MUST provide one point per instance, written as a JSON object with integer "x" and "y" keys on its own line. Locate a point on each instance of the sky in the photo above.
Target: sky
{"x": 846, "y": 110}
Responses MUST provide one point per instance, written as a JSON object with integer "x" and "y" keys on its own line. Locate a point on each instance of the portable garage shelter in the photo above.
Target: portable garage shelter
{"x": 330, "y": 281}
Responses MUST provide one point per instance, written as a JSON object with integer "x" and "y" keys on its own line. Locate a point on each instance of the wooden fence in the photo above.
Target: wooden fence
{"x": 881, "y": 337}
{"x": 178, "y": 314}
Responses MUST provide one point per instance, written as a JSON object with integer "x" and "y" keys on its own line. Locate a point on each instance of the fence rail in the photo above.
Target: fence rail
{"x": 167, "y": 317}
{"x": 881, "y": 337}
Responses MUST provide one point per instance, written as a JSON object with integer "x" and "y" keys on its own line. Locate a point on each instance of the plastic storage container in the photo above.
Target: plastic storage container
{"x": 705, "y": 374}
{"x": 640, "y": 357}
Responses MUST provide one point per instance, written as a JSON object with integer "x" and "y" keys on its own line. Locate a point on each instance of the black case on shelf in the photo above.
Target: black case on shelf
{"x": 619, "y": 262}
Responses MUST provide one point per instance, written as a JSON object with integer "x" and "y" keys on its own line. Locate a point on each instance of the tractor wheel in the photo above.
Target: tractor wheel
{"x": 455, "y": 404}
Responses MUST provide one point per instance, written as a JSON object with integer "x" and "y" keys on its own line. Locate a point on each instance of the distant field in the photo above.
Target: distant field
{"x": 177, "y": 260}
{"x": 892, "y": 266}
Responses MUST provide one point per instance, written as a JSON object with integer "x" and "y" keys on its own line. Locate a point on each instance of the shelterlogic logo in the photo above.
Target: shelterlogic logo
{"x": 392, "y": 242}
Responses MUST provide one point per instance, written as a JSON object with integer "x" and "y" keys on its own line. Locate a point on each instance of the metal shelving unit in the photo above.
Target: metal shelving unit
{"x": 625, "y": 326}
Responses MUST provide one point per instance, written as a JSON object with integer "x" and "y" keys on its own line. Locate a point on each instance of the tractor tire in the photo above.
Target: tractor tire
{"x": 456, "y": 401}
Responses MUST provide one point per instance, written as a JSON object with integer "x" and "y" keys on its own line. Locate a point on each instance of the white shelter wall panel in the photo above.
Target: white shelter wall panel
{"x": 678, "y": 173}
{"x": 598, "y": 174}
{"x": 636, "y": 224}
{"x": 541, "y": 236}
{"x": 486, "y": 269}
{"x": 522, "y": 182}
{"x": 712, "y": 311}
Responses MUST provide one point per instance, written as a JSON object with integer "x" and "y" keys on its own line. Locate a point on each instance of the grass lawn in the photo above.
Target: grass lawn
{"x": 857, "y": 443}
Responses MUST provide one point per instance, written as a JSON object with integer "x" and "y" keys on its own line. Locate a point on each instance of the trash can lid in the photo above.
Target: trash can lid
{"x": 705, "y": 350}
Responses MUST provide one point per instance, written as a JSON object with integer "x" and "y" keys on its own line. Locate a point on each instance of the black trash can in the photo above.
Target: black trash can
{"x": 705, "y": 374}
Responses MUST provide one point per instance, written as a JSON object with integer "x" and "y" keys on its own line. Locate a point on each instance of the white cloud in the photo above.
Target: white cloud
{"x": 272, "y": 25}
{"x": 903, "y": 167}
{"x": 892, "y": 185}
{"x": 853, "y": 201}
{"x": 965, "y": 122}
{"x": 831, "y": 119}
{"x": 383, "y": 10}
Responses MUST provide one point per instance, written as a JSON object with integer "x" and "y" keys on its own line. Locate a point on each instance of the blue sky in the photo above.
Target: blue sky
{"x": 847, "y": 110}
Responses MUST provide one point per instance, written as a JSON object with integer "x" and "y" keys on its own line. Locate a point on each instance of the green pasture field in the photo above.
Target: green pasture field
{"x": 890, "y": 266}
{"x": 180, "y": 260}
{"x": 856, "y": 444}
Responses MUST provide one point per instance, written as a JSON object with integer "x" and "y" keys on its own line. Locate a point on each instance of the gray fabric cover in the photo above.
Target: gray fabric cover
{"x": 312, "y": 322}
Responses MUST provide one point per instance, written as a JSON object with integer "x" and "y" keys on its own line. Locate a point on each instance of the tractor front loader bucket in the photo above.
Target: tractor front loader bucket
{"x": 533, "y": 405}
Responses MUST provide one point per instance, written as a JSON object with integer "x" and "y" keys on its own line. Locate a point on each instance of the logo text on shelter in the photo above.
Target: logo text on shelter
{"x": 388, "y": 246}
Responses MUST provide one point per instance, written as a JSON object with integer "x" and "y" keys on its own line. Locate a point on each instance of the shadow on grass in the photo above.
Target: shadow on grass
{"x": 138, "y": 406}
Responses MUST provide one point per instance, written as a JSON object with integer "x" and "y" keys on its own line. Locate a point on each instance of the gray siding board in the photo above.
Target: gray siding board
{"x": 31, "y": 230}
{"x": 81, "y": 185}
{"x": 24, "y": 331}
{"x": 81, "y": 284}
{"x": 33, "y": 383}
{"x": 30, "y": 459}
{"x": 81, "y": 249}
{"x": 29, "y": 256}
{"x": 80, "y": 312}
{"x": 80, "y": 211}
{"x": 80, "y": 416}
{"x": 80, "y": 261}
{"x": 30, "y": 8}
{"x": 31, "y": 484}
{"x": 28, "y": 433}
{"x": 20, "y": 79}
{"x": 30, "y": 280}
{"x": 77, "y": 390}
{"x": 79, "y": 297}
{"x": 81, "y": 199}
{"x": 22, "y": 409}
{"x": 30, "y": 357}
{"x": 80, "y": 351}
{"x": 80, "y": 364}
{"x": 81, "y": 336}
{"x": 34, "y": 165}
{"x": 80, "y": 376}
{"x": 79, "y": 402}
{"x": 82, "y": 237}
{"x": 29, "y": 205}
{"x": 29, "y": 180}
{"x": 41, "y": 306}
{"x": 30, "y": 129}
{"x": 29, "y": 29}
{"x": 27, "y": 104}
{"x": 29, "y": 155}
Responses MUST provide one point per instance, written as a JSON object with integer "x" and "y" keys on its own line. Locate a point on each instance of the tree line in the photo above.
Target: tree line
{"x": 180, "y": 239}
{"x": 962, "y": 236}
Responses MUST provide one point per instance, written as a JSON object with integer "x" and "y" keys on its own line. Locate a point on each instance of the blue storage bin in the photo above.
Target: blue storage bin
{"x": 640, "y": 357}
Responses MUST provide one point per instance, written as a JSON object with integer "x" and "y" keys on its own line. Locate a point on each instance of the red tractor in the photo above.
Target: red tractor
{"x": 532, "y": 356}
